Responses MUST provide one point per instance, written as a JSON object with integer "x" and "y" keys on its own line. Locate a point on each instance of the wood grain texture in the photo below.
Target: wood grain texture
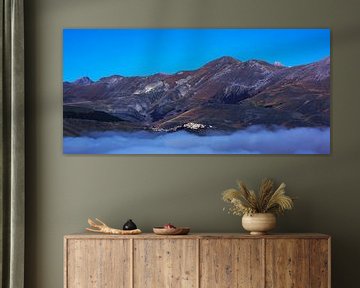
{"x": 231, "y": 263}
{"x": 319, "y": 263}
{"x": 98, "y": 264}
{"x": 287, "y": 263}
{"x": 66, "y": 262}
{"x": 88, "y": 235}
{"x": 166, "y": 263}
{"x": 197, "y": 260}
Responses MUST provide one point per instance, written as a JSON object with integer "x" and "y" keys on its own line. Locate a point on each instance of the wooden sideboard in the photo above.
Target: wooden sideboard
{"x": 197, "y": 260}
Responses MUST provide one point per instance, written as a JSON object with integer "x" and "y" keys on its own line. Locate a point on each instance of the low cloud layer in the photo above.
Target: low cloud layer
{"x": 254, "y": 140}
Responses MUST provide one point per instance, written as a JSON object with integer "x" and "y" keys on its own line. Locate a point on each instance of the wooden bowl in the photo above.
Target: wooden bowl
{"x": 171, "y": 231}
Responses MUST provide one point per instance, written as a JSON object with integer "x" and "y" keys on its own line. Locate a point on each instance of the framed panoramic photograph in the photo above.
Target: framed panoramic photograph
{"x": 196, "y": 91}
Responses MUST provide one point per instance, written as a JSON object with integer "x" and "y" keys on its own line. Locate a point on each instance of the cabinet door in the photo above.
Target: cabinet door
{"x": 98, "y": 263}
{"x": 320, "y": 263}
{"x": 231, "y": 263}
{"x": 287, "y": 263}
{"x": 165, "y": 263}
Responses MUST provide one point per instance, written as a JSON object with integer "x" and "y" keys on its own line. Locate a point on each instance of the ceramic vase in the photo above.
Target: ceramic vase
{"x": 259, "y": 223}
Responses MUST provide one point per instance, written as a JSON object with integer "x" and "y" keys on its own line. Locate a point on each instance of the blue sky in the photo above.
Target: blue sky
{"x": 98, "y": 53}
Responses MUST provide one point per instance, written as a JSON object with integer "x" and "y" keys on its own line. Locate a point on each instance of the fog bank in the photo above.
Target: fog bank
{"x": 254, "y": 140}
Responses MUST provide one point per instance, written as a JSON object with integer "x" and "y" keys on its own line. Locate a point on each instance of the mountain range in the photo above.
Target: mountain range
{"x": 223, "y": 95}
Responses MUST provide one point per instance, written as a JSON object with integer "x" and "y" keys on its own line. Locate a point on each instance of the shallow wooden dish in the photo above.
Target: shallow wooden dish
{"x": 171, "y": 231}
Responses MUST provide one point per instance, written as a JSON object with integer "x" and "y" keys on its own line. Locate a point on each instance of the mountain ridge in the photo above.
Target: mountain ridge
{"x": 225, "y": 93}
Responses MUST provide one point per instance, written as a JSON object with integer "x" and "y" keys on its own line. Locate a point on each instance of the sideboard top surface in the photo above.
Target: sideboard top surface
{"x": 86, "y": 235}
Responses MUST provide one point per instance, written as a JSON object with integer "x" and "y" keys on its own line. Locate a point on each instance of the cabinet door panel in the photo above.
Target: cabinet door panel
{"x": 165, "y": 263}
{"x": 98, "y": 264}
{"x": 287, "y": 263}
{"x": 231, "y": 263}
{"x": 319, "y": 263}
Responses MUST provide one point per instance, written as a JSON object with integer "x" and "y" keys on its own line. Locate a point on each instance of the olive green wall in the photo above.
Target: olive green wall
{"x": 62, "y": 191}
